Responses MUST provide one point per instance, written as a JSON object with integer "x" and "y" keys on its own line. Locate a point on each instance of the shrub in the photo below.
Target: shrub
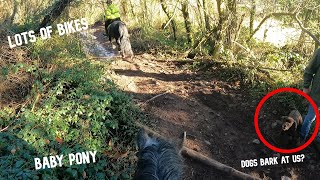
{"x": 71, "y": 108}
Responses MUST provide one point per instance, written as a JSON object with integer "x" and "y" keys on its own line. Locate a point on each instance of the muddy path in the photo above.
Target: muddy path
{"x": 217, "y": 115}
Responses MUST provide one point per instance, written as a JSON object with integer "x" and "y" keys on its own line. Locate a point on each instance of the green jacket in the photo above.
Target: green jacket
{"x": 112, "y": 12}
{"x": 312, "y": 77}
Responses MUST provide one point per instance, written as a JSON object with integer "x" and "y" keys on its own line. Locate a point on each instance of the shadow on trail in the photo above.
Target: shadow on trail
{"x": 222, "y": 134}
{"x": 210, "y": 131}
{"x": 159, "y": 76}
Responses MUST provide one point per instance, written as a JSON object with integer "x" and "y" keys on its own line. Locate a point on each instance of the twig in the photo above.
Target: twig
{"x": 153, "y": 98}
{"x": 245, "y": 48}
{"x": 174, "y": 12}
{"x": 198, "y": 43}
{"x": 35, "y": 101}
{"x": 101, "y": 57}
{"x": 273, "y": 69}
{"x": 4, "y": 129}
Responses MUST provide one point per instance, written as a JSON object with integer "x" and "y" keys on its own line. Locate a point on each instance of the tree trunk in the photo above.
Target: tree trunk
{"x": 252, "y": 15}
{"x": 124, "y": 9}
{"x": 187, "y": 22}
{"x": 207, "y": 24}
{"x": 232, "y": 23}
{"x": 172, "y": 22}
{"x": 302, "y": 37}
{"x": 239, "y": 27}
{"x": 315, "y": 37}
{"x": 54, "y": 13}
{"x": 206, "y": 16}
{"x": 217, "y": 40}
{"x": 132, "y": 10}
{"x": 317, "y": 45}
{"x": 199, "y": 14}
{"x": 14, "y": 13}
{"x": 217, "y": 35}
{"x": 145, "y": 12}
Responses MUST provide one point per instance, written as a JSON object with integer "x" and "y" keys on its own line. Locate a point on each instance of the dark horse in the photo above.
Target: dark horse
{"x": 158, "y": 159}
{"x": 118, "y": 30}
{"x": 108, "y": 22}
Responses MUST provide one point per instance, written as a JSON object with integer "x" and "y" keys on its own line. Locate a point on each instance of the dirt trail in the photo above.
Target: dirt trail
{"x": 194, "y": 103}
{"x": 217, "y": 116}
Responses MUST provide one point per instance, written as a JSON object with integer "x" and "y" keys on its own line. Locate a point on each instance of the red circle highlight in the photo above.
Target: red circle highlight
{"x": 256, "y": 123}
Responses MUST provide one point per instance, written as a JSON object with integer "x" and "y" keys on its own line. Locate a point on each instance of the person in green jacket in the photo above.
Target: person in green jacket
{"x": 112, "y": 14}
{"x": 311, "y": 86}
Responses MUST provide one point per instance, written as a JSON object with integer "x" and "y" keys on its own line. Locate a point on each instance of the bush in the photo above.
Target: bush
{"x": 71, "y": 108}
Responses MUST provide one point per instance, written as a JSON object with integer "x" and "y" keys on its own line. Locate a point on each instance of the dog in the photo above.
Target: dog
{"x": 118, "y": 30}
{"x": 157, "y": 159}
{"x": 293, "y": 120}
{"x": 290, "y": 126}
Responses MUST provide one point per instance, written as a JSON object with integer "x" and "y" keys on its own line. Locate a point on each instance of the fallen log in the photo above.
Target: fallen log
{"x": 213, "y": 163}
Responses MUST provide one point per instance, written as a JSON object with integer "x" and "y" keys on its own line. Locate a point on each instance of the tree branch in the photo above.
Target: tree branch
{"x": 305, "y": 30}
{"x": 246, "y": 49}
{"x": 276, "y": 14}
{"x": 172, "y": 16}
{"x": 295, "y": 16}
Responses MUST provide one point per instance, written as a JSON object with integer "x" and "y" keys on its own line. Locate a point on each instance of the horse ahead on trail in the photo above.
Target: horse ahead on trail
{"x": 118, "y": 30}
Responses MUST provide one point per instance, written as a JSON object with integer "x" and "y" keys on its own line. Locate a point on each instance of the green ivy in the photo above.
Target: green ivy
{"x": 71, "y": 109}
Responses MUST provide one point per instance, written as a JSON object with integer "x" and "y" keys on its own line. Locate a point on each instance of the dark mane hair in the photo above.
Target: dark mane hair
{"x": 158, "y": 159}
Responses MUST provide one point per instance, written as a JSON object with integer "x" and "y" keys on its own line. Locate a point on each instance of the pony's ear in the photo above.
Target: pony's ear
{"x": 142, "y": 139}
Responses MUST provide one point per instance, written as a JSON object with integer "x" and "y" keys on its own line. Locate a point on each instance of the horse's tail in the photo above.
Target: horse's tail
{"x": 123, "y": 30}
{"x": 125, "y": 44}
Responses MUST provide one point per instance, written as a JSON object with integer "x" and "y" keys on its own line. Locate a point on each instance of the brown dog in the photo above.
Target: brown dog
{"x": 293, "y": 120}
{"x": 289, "y": 129}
